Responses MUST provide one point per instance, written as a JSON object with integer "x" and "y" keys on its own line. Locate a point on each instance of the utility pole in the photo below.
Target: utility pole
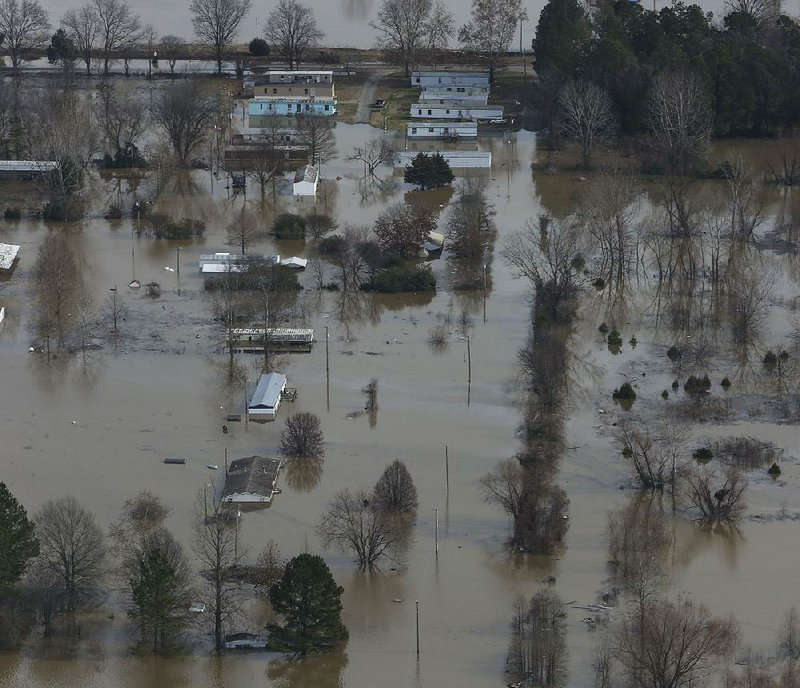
{"x": 327, "y": 369}
{"x": 178, "y": 259}
{"x": 469, "y": 363}
{"x": 417, "y": 603}
{"x": 447, "y": 470}
{"x": 437, "y": 531}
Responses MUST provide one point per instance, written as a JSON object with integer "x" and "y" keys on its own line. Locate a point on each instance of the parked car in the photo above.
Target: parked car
{"x": 498, "y": 120}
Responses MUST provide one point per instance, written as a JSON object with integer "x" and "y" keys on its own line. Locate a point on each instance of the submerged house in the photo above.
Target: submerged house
{"x": 251, "y": 480}
{"x": 246, "y": 641}
{"x": 8, "y": 256}
{"x": 267, "y": 398}
{"x": 456, "y": 159}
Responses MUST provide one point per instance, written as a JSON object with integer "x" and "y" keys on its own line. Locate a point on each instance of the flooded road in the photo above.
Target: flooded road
{"x": 99, "y": 429}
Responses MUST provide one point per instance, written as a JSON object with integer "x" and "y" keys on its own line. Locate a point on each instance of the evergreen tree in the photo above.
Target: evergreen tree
{"x": 18, "y": 541}
{"x": 428, "y": 171}
{"x": 310, "y": 602}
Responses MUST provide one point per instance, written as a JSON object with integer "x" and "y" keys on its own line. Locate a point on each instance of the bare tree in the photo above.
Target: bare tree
{"x": 759, "y": 10}
{"x": 44, "y": 588}
{"x": 185, "y": 112}
{"x": 83, "y": 27}
{"x": 719, "y": 496}
{"x": 270, "y": 565}
{"x": 72, "y": 545}
{"x": 6, "y": 120}
{"x": 292, "y": 28}
{"x": 491, "y": 29}
{"x": 402, "y": 228}
{"x": 352, "y": 524}
{"x": 117, "y": 27}
{"x": 142, "y": 516}
{"x": 123, "y": 120}
{"x": 585, "y": 114}
{"x": 244, "y": 231}
{"x": 374, "y": 153}
{"x": 673, "y": 645}
{"x": 537, "y": 507}
{"x": 538, "y": 650}
{"x": 651, "y": 464}
{"x": 680, "y": 119}
{"x": 395, "y": 489}
{"x": 404, "y": 26}
{"x": 790, "y": 634}
{"x": 549, "y": 253}
{"x": 24, "y": 26}
{"x": 171, "y": 48}
{"x": 439, "y": 29}
{"x": 470, "y": 228}
{"x": 302, "y": 436}
{"x": 217, "y": 551}
{"x": 58, "y": 286}
{"x": 316, "y": 133}
{"x": 217, "y": 22}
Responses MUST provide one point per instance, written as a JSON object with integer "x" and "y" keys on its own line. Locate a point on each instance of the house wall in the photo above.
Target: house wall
{"x": 424, "y": 130}
{"x": 427, "y": 110}
{"x": 266, "y": 107}
{"x": 247, "y": 498}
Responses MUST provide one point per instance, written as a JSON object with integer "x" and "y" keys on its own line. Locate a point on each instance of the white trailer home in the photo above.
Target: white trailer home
{"x": 441, "y": 130}
{"x": 450, "y": 79}
{"x": 456, "y": 159}
{"x": 466, "y": 94}
{"x": 454, "y": 110}
{"x": 267, "y": 397}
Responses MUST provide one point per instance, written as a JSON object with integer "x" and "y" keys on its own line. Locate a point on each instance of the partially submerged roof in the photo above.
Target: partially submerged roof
{"x": 252, "y": 475}
{"x": 268, "y": 391}
{"x": 308, "y": 174}
{"x": 295, "y": 262}
{"x": 8, "y": 254}
{"x": 28, "y": 166}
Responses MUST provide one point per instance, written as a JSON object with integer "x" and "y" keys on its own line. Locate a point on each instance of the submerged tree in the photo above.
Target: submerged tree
{"x": 185, "y": 112}
{"x": 471, "y": 229}
{"x": 402, "y": 228}
{"x": 302, "y": 436}
{"x": 310, "y": 603}
{"x": 428, "y": 171}
{"x": 584, "y": 114}
{"x": 718, "y": 496}
{"x": 353, "y": 524}
{"x": 538, "y": 651}
{"x": 18, "y": 543}
{"x": 395, "y": 490}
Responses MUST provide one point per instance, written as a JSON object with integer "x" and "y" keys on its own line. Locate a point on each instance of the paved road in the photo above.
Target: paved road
{"x": 367, "y": 96}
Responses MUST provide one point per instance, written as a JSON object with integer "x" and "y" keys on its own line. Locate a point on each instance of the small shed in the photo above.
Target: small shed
{"x": 306, "y": 181}
{"x": 8, "y": 256}
{"x": 251, "y": 480}
{"x": 267, "y": 397}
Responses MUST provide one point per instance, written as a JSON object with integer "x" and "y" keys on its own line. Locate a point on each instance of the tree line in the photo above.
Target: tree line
{"x": 674, "y": 73}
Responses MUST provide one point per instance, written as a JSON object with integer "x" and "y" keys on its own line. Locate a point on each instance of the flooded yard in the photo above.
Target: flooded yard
{"x": 98, "y": 426}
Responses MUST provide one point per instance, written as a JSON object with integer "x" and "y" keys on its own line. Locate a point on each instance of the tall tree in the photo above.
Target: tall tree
{"x": 310, "y": 603}
{"x": 186, "y": 113}
{"x": 217, "y": 22}
{"x": 24, "y": 26}
{"x": 403, "y": 27}
{"x": 562, "y": 37}
{"x": 83, "y": 26}
{"x": 395, "y": 489}
{"x": 117, "y": 27}
{"x": 491, "y": 29}
{"x": 170, "y": 49}
{"x": 292, "y": 28}
{"x": 73, "y": 546}
{"x": 353, "y": 524}
{"x": 216, "y": 548}
{"x": 402, "y": 228}
{"x": 160, "y": 590}
{"x": 316, "y": 133}
{"x": 18, "y": 542}
{"x": 584, "y": 114}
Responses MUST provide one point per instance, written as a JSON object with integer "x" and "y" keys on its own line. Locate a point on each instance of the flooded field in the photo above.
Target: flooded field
{"x": 98, "y": 427}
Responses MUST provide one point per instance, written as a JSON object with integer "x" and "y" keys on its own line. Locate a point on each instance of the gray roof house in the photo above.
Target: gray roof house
{"x": 251, "y": 480}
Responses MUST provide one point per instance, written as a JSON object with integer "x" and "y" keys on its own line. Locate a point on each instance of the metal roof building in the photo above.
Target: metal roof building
{"x": 251, "y": 480}
{"x": 267, "y": 397}
{"x": 8, "y": 256}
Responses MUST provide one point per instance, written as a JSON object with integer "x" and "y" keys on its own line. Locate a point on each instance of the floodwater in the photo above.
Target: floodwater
{"x": 345, "y": 22}
{"x": 98, "y": 429}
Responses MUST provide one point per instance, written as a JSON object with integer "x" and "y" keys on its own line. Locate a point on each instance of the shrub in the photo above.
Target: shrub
{"x": 674, "y": 354}
{"x": 633, "y": 342}
{"x": 697, "y": 385}
{"x": 603, "y": 329}
{"x": 289, "y": 226}
{"x": 332, "y": 245}
{"x": 114, "y": 212}
{"x": 702, "y": 455}
{"x": 774, "y": 470}
{"x": 404, "y": 279}
{"x": 258, "y": 47}
{"x": 675, "y": 385}
{"x": 625, "y": 392}
{"x": 614, "y": 341}
{"x": 162, "y": 227}
{"x": 726, "y": 383}
{"x": 12, "y": 214}
{"x": 665, "y": 394}
{"x": 770, "y": 360}
{"x": 599, "y": 283}
{"x": 319, "y": 225}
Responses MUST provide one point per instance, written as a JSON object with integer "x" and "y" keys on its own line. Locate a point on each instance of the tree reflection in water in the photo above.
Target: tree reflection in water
{"x": 320, "y": 671}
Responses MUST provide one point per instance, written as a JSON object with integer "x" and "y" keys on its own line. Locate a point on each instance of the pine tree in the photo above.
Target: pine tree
{"x": 18, "y": 541}
{"x": 428, "y": 171}
{"x": 310, "y": 602}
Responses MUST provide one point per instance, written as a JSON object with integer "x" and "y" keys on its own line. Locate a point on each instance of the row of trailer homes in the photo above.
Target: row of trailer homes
{"x": 450, "y": 107}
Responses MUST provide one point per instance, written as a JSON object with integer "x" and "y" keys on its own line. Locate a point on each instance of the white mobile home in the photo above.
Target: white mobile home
{"x": 306, "y": 181}
{"x": 8, "y": 256}
{"x": 267, "y": 397}
{"x": 441, "y": 130}
{"x": 453, "y": 109}
{"x": 471, "y": 94}
{"x": 456, "y": 159}
{"x": 450, "y": 79}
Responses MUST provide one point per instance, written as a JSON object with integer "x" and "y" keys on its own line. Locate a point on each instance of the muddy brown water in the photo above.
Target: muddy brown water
{"x": 99, "y": 431}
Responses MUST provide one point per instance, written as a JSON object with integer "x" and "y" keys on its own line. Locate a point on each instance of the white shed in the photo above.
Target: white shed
{"x": 306, "y": 181}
